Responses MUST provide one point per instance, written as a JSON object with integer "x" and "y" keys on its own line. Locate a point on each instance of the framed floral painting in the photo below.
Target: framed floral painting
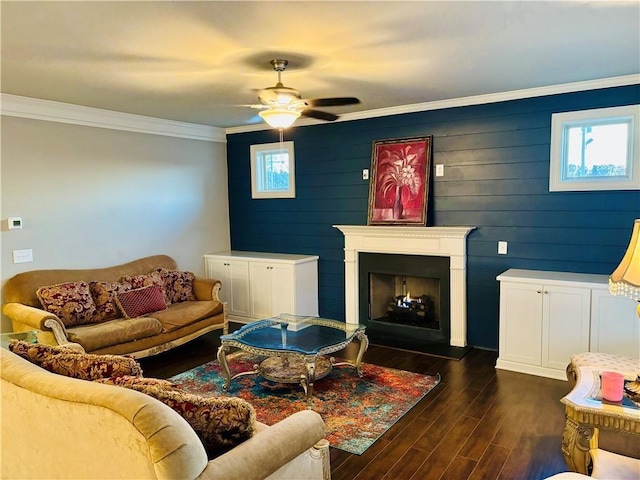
{"x": 398, "y": 192}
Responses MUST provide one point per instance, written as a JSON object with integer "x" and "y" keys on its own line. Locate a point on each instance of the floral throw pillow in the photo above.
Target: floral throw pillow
{"x": 141, "y": 301}
{"x": 104, "y": 296}
{"x": 85, "y": 366}
{"x": 37, "y": 351}
{"x": 145, "y": 280}
{"x": 178, "y": 285}
{"x": 71, "y": 302}
{"x": 221, "y": 423}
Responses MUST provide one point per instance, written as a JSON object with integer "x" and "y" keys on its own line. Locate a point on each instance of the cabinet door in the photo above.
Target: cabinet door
{"x": 614, "y": 325}
{"x": 260, "y": 288}
{"x": 520, "y": 322}
{"x": 282, "y": 290}
{"x": 216, "y": 268}
{"x": 565, "y": 324}
{"x": 234, "y": 276}
{"x": 238, "y": 288}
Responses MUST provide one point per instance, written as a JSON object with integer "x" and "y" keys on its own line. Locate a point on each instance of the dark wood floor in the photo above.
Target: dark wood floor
{"x": 478, "y": 423}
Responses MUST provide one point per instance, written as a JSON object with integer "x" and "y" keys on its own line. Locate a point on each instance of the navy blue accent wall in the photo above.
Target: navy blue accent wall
{"x": 496, "y": 159}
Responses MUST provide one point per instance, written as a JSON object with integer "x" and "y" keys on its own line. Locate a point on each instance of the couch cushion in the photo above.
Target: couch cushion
{"x": 129, "y": 380}
{"x": 104, "y": 296}
{"x": 71, "y": 302}
{"x": 114, "y": 332}
{"x": 22, "y": 287}
{"x": 78, "y": 365}
{"x": 141, "y": 301}
{"x": 178, "y": 286}
{"x": 184, "y": 313}
{"x": 220, "y": 422}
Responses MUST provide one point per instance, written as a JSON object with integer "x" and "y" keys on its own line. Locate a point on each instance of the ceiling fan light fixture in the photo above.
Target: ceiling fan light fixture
{"x": 279, "y": 117}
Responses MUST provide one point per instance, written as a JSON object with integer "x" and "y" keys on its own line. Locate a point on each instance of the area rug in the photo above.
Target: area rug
{"x": 356, "y": 411}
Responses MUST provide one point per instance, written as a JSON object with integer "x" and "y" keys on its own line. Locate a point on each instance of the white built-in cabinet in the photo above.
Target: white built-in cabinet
{"x": 259, "y": 285}
{"x": 545, "y": 317}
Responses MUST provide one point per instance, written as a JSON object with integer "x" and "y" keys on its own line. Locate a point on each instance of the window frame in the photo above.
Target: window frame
{"x": 561, "y": 122}
{"x": 256, "y": 168}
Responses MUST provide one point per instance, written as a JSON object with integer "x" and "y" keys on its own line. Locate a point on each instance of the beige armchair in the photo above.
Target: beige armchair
{"x": 54, "y": 426}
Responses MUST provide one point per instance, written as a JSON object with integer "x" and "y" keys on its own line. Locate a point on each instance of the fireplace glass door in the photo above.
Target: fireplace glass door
{"x": 404, "y": 300}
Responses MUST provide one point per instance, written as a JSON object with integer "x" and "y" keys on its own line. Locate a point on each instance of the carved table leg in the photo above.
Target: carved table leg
{"x": 222, "y": 359}
{"x": 364, "y": 345}
{"x": 309, "y": 376}
{"x": 577, "y": 440}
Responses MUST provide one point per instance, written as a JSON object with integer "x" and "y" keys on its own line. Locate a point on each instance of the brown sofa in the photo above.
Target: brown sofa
{"x": 139, "y": 337}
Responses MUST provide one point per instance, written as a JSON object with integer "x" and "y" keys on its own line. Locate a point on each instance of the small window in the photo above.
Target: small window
{"x": 273, "y": 170}
{"x": 595, "y": 150}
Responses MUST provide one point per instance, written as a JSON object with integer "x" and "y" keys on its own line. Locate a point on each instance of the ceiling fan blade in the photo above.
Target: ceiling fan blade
{"x": 332, "y": 102}
{"x": 320, "y": 115}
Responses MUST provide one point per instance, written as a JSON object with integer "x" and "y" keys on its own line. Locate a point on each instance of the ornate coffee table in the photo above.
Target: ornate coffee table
{"x": 295, "y": 348}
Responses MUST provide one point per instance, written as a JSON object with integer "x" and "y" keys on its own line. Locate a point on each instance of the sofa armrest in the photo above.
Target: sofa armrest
{"x": 206, "y": 288}
{"x": 32, "y": 317}
{"x": 25, "y": 317}
{"x": 268, "y": 450}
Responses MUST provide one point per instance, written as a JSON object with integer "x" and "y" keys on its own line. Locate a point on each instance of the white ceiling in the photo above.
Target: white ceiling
{"x": 199, "y": 62}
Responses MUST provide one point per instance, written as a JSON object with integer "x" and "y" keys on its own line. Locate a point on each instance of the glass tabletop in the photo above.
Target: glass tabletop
{"x": 30, "y": 336}
{"x": 292, "y": 333}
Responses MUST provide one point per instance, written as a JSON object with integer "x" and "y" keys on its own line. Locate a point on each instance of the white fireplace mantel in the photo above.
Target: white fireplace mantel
{"x": 437, "y": 241}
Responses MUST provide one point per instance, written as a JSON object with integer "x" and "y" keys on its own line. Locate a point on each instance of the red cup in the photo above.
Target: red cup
{"x": 612, "y": 386}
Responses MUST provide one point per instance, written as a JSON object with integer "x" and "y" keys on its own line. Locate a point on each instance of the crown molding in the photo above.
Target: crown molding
{"x": 51, "y": 111}
{"x": 462, "y": 101}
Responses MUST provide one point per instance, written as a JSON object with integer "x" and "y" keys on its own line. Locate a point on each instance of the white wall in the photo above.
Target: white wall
{"x": 94, "y": 197}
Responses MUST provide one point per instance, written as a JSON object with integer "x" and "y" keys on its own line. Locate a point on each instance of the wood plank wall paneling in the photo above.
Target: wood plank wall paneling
{"x": 496, "y": 159}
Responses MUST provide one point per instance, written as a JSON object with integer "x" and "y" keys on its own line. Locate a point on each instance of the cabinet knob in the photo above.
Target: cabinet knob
{"x": 538, "y": 291}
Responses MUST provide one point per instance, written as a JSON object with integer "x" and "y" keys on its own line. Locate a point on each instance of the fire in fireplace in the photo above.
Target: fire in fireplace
{"x": 404, "y": 299}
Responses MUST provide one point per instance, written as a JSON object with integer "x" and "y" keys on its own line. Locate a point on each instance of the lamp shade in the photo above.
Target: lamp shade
{"x": 279, "y": 117}
{"x": 625, "y": 280}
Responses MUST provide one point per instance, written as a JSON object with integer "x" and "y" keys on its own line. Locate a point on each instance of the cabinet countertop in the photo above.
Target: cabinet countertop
{"x": 283, "y": 257}
{"x": 560, "y": 278}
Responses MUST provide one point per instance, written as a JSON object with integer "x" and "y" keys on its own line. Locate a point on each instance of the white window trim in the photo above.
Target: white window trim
{"x": 561, "y": 120}
{"x": 255, "y": 151}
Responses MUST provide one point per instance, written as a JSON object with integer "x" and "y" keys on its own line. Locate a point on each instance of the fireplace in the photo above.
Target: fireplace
{"x": 434, "y": 260}
{"x": 404, "y": 299}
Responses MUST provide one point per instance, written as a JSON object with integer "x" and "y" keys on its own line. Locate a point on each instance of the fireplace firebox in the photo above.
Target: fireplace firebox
{"x": 404, "y": 299}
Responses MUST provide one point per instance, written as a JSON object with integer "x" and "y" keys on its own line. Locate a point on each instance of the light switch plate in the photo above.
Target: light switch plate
{"x": 365, "y": 174}
{"x": 440, "y": 170}
{"x": 502, "y": 248}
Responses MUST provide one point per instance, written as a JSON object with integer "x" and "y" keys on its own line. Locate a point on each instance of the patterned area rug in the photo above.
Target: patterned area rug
{"x": 356, "y": 411}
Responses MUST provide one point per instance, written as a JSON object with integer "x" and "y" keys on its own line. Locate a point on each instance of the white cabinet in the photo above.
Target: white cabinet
{"x": 545, "y": 317}
{"x": 275, "y": 283}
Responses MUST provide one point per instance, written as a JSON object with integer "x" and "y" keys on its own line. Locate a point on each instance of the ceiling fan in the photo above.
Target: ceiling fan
{"x": 281, "y": 105}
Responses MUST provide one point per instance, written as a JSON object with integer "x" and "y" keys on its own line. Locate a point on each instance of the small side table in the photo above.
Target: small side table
{"x": 585, "y": 414}
{"x": 30, "y": 336}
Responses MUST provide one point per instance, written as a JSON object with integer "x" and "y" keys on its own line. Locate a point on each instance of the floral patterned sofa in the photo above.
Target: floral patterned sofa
{"x": 140, "y": 308}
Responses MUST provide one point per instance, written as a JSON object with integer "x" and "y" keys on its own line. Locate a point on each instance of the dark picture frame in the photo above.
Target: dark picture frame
{"x": 400, "y": 174}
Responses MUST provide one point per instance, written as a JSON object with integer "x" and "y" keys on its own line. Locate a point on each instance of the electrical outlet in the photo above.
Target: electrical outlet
{"x": 365, "y": 174}
{"x": 502, "y": 248}
{"x": 23, "y": 256}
